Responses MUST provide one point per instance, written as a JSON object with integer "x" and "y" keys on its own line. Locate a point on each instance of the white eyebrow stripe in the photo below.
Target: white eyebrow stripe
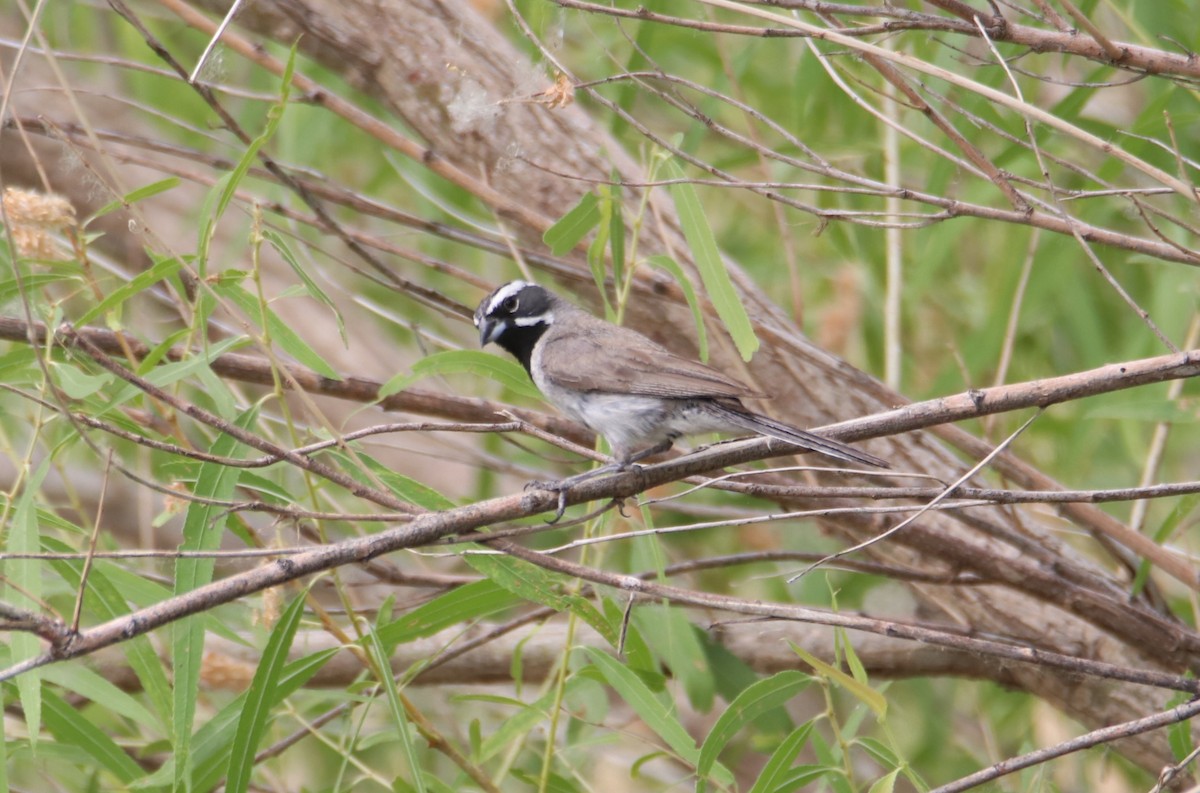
{"x": 526, "y": 322}
{"x": 504, "y": 293}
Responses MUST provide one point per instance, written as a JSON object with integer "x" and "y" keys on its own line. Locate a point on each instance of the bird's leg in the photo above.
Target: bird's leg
{"x": 561, "y": 486}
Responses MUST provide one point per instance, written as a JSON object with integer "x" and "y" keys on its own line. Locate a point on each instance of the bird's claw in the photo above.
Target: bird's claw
{"x": 553, "y": 487}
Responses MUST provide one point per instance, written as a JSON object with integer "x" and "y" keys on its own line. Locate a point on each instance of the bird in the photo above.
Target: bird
{"x": 624, "y": 386}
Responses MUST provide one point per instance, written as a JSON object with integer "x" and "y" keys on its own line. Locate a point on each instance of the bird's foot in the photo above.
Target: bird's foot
{"x": 561, "y": 486}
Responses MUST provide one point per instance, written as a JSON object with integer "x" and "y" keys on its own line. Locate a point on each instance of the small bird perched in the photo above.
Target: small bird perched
{"x": 638, "y": 394}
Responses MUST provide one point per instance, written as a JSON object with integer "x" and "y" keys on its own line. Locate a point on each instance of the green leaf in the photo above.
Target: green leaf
{"x": 279, "y": 331}
{"x": 885, "y": 784}
{"x": 778, "y": 766}
{"x": 259, "y": 697}
{"x": 107, "y": 601}
{"x": 171, "y": 373}
{"x": 11, "y": 288}
{"x": 564, "y": 235}
{"x": 202, "y": 529}
{"x": 225, "y": 189}
{"x": 84, "y": 682}
{"x": 689, "y": 292}
{"x": 651, "y": 710}
{"x": 1184, "y": 507}
{"x": 673, "y": 637}
{"x": 596, "y": 256}
{"x": 616, "y": 227}
{"x": 863, "y": 692}
{"x": 461, "y": 605}
{"x": 403, "y": 486}
{"x": 136, "y": 195}
{"x": 757, "y": 699}
{"x": 24, "y": 590}
{"x": 314, "y": 291}
{"x": 396, "y": 707}
{"x": 508, "y": 373}
{"x": 71, "y": 727}
{"x": 540, "y": 586}
{"x": 709, "y": 263}
{"x": 211, "y": 743}
{"x": 77, "y": 383}
{"x": 161, "y": 269}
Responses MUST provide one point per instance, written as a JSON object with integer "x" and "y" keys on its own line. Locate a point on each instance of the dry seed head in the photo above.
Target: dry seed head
{"x": 32, "y": 217}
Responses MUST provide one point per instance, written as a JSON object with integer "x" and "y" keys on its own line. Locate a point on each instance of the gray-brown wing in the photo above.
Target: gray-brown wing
{"x": 612, "y": 359}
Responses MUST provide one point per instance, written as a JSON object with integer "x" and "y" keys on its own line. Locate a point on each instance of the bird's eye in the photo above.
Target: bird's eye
{"x": 510, "y": 305}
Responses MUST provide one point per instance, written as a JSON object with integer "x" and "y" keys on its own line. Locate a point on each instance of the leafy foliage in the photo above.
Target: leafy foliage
{"x": 235, "y": 273}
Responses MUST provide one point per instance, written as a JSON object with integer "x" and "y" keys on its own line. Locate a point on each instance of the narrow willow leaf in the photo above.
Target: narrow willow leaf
{"x": 564, "y": 235}
{"x": 462, "y": 604}
{"x": 276, "y": 241}
{"x": 651, "y": 710}
{"x": 775, "y": 772}
{"x": 250, "y": 156}
{"x": 689, "y": 292}
{"x": 616, "y": 228}
{"x": 279, "y": 331}
{"x": 76, "y": 383}
{"x": 260, "y": 696}
{"x": 71, "y": 727}
{"x": 711, "y": 267}
{"x": 163, "y": 267}
{"x": 885, "y": 784}
{"x": 136, "y": 195}
{"x": 202, "y": 529}
{"x": 513, "y": 730}
{"x": 396, "y": 707}
{"x": 864, "y": 693}
{"x": 90, "y": 685}
{"x": 757, "y": 699}
{"x": 1181, "y": 510}
{"x": 25, "y": 591}
{"x": 403, "y": 486}
{"x": 11, "y": 288}
{"x": 108, "y": 601}
{"x": 597, "y": 253}
{"x": 507, "y": 372}
{"x": 211, "y": 744}
{"x": 673, "y": 637}
{"x": 171, "y": 373}
{"x": 540, "y": 586}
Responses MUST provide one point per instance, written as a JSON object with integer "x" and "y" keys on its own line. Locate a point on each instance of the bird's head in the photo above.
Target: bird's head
{"x": 515, "y": 316}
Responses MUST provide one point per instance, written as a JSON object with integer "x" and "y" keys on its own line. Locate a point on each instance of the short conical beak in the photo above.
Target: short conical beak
{"x": 489, "y": 329}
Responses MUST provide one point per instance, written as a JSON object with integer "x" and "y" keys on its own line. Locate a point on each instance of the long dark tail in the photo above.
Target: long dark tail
{"x": 765, "y": 425}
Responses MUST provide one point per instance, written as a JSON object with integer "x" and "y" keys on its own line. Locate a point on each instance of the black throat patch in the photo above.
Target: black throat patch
{"x": 519, "y": 340}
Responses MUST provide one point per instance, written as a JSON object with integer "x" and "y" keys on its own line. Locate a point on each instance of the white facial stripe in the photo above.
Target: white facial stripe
{"x": 504, "y": 293}
{"x": 525, "y": 322}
